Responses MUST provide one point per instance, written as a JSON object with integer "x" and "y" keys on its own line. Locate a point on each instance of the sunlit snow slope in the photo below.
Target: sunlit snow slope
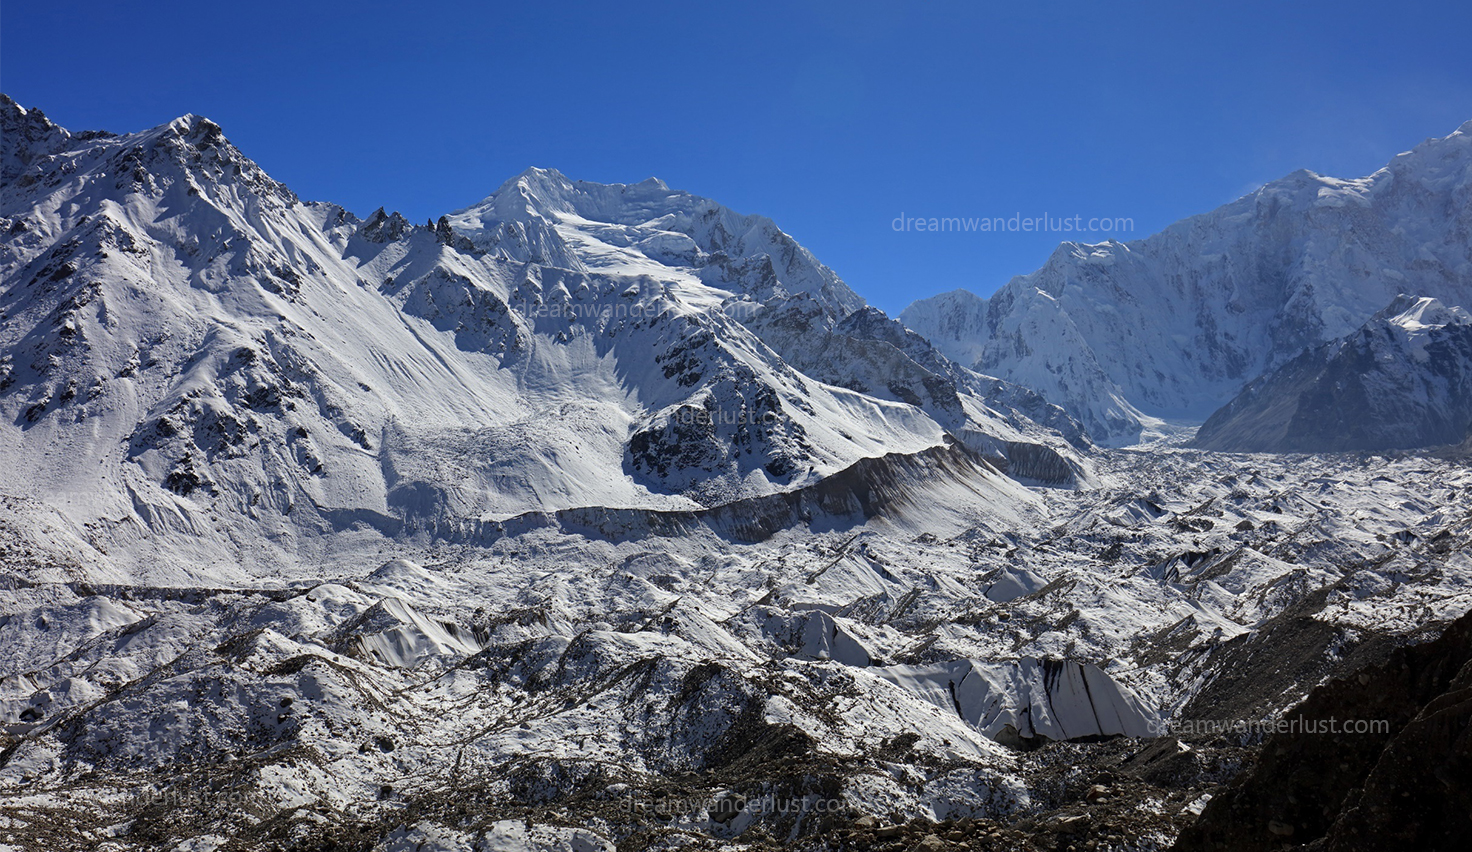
{"x": 196, "y": 362}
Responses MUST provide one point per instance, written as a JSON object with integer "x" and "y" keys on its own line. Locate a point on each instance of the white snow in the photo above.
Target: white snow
{"x": 1170, "y": 327}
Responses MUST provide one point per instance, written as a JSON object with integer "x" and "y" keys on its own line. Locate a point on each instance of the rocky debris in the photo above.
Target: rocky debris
{"x": 614, "y": 697}
{"x": 1039, "y": 463}
{"x": 1381, "y": 759}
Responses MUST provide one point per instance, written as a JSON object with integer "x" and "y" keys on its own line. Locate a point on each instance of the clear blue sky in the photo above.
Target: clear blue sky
{"x": 832, "y": 118}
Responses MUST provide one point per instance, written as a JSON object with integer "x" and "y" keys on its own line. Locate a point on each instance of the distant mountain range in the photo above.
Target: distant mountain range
{"x": 1171, "y": 327}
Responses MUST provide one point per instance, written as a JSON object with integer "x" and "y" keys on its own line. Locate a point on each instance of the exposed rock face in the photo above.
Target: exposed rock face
{"x": 1403, "y": 380}
{"x": 27, "y": 133}
{"x": 381, "y": 227}
{"x": 868, "y": 352}
{"x": 1173, "y": 325}
{"x": 1331, "y": 786}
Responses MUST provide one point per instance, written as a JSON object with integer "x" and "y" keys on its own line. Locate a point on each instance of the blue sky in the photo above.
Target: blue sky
{"x": 831, "y": 118}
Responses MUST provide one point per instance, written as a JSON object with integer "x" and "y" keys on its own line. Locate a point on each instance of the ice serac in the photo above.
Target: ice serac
{"x": 1031, "y": 699}
{"x": 1402, "y": 380}
{"x": 1172, "y": 326}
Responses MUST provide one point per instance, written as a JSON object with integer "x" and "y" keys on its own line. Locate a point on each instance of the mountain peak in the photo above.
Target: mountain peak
{"x": 533, "y": 176}
{"x": 544, "y": 217}
{"x": 535, "y": 192}
{"x": 190, "y": 125}
{"x": 548, "y": 193}
{"x": 1418, "y": 313}
{"x": 12, "y": 111}
{"x": 651, "y": 183}
{"x": 25, "y": 135}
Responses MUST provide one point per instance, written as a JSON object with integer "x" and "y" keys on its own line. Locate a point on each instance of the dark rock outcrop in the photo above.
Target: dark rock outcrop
{"x": 1403, "y": 380}
{"x": 1378, "y": 760}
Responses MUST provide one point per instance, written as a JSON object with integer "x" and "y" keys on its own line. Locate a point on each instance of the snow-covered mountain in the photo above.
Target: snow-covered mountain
{"x": 1402, "y": 380}
{"x": 233, "y": 373}
{"x": 1173, "y": 325}
{"x": 600, "y": 517}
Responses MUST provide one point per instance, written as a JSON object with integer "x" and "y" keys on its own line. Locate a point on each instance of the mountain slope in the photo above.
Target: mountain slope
{"x": 1173, "y": 325}
{"x": 1402, "y": 380}
{"x": 748, "y": 270}
{"x": 236, "y": 377}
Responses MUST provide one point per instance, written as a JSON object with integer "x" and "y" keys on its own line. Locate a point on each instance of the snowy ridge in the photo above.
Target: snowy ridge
{"x": 1171, "y": 326}
{"x": 542, "y": 217}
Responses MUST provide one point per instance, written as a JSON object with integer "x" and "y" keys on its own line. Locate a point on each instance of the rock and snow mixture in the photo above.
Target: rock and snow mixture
{"x": 1400, "y": 380}
{"x": 598, "y": 517}
{"x": 691, "y": 689}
